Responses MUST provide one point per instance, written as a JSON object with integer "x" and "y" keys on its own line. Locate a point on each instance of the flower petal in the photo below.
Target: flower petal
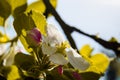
{"x": 58, "y": 59}
{"x": 76, "y": 60}
{"x": 46, "y": 49}
{"x": 53, "y": 35}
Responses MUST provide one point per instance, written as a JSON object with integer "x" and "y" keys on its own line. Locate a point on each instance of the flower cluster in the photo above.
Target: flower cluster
{"x": 57, "y": 48}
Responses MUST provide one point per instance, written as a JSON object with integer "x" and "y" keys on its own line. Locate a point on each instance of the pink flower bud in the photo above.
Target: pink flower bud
{"x": 60, "y": 69}
{"x": 34, "y": 37}
{"x": 76, "y": 76}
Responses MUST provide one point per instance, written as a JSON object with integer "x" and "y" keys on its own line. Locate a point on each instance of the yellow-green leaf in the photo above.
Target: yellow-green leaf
{"x": 3, "y": 38}
{"x": 98, "y": 62}
{"x": 27, "y": 21}
{"x": 40, "y": 6}
{"x": 1, "y": 21}
{"x": 13, "y": 74}
{"x": 25, "y": 44}
{"x": 17, "y": 6}
{"x": 86, "y": 50}
{"x": 40, "y": 21}
{"x": 101, "y": 62}
{"x": 23, "y": 21}
{"x": 16, "y": 3}
{"x": 5, "y": 11}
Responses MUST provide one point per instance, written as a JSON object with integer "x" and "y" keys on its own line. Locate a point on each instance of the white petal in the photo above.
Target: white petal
{"x": 58, "y": 58}
{"x": 53, "y": 35}
{"x": 2, "y": 48}
{"x": 46, "y": 49}
{"x": 76, "y": 60}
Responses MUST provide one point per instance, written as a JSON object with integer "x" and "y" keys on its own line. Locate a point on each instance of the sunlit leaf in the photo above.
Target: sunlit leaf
{"x": 1, "y": 21}
{"x": 40, "y": 6}
{"x": 18, "y": 5}
{"x": 23, "y": 22}
{"x": 25, "y": 44}
{"x": 27, "y": 21}
{"x": 99, "y": 62}
{"x": 39, "y": 21}
{"x": 3, "y": 38}
{"x": 24, "y": 61}
{"x": 86, "y": 50}
{"x": 5, "y": 11}
{"x": 13, "y": 74}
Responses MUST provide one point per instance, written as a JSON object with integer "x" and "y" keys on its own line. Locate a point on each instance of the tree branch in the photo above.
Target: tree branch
{"x": 64, "y": 26}
{"x": 69, "y": 29}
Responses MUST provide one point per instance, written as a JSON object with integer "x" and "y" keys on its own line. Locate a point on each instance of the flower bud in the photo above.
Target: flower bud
{"x": 60, "y": 69}
{"x": 34, "y": 37}
{"x": 76, "y": 76}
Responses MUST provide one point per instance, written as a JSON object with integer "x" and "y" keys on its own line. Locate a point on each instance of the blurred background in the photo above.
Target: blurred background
{"x": 97, "y": 17}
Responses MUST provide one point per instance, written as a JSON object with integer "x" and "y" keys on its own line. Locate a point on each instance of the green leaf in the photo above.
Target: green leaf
{"x": 101, "y": 62}
{"x": 5, "y": 11}
{"x": 27, "y": 21}
{"x": 24, "y": 61}
{"x": 25, "y": 44}
{"x": 1, "y": 21}
{"x": 90, "y": 76}
{"x": 86, "y": 50}
{"x": 23, "y": 22}
{"x": 40, "y": 6}
{"x": 98, "y": 62}
{"x": 19, "y": 10}
{"x": 18, "y": 5}
{"x": 14, "y": 73}
{"x": 11, "y": 72}
{"x": 39, "y": 20}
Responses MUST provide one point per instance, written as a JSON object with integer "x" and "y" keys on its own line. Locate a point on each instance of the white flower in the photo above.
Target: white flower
{"x": 49, "y": 45}
{"x": 76, "y": 60}
{"x": 2, "y": 49}
{"x": 54, "y": 37}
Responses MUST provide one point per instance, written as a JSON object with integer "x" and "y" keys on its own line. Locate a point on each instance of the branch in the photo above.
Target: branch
{"x": 69, "y": 29}
{"x": 115, "y": 46}
{"x": 64, "y": 26}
